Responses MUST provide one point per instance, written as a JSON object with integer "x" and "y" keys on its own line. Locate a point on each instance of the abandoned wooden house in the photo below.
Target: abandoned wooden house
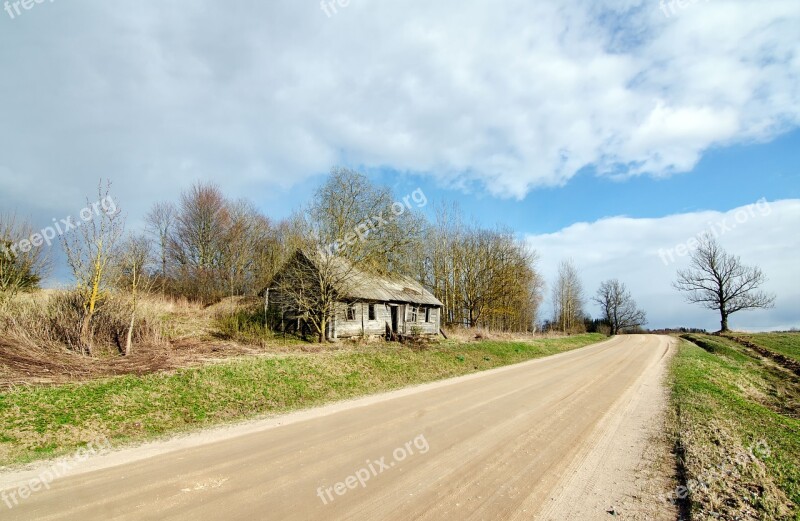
{"x": 363, "y": 304}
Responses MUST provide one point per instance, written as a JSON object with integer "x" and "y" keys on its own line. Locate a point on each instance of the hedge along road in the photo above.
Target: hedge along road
{"x": 572, "y": 436}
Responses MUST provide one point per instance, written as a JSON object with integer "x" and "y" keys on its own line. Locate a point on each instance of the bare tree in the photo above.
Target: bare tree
{"x": 23, "y": 262}
{"x": 618, "y": 306}
{"x": 90, "y": 251}
{"x": 133, "y": 275}
{"x": 355, "y": 219}
{"x": 311, "y": 285}
{"x": 568, "y": 298}
{"x": 719, "y": 281}
{"x": 198, "y": 239}
{"x": 159, "y": 223}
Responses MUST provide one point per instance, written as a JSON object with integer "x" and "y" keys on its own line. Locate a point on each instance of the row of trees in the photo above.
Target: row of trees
{"x": 205, "y": 246}
{"x": 484, "y": 277}
{"x": 715, "y": 279}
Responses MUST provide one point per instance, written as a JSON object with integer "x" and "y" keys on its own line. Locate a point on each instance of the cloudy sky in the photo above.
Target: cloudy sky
{"x": 599, "y": 130}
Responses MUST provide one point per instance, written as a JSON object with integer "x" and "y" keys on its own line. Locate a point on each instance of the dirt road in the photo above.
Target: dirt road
{"x": 568, "y": 437}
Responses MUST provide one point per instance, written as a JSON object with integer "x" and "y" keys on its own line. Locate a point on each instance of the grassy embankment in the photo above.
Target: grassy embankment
{"x": 46, "y": 421}
{"x": 786, "y": 344}
{"x": 737, "y": 429}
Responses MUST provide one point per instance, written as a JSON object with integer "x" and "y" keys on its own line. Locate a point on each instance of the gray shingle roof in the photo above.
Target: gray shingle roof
{"x": 385, "y": 288}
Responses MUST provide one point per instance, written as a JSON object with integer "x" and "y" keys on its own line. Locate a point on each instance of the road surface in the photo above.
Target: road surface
{"x": 567, "y": 437}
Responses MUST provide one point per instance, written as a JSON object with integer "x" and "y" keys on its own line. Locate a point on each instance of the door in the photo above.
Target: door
{"x": 395, "y": 318}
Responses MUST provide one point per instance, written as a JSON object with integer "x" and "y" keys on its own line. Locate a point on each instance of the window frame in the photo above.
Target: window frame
{"x": 351, "y": 308}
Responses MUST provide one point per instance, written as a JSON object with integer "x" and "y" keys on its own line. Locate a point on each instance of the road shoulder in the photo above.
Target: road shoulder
{"x": 625, "y": 468}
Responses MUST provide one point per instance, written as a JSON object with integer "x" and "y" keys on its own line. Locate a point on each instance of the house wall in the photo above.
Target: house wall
{"x": 420, "y": 326}
{"x": 344, "y": 328}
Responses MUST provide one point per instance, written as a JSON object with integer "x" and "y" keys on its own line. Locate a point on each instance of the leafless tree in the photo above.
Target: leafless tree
{"x": 619, "y": 308}
{"x": 159, "y": 222}
{"x": 23, "y": 260}
{"x": 310, "y": 286}
{"x": 364, "y": 223}
{"x": 718, "y": 280}
{"x": 133, "y": 262}
{"x": 198, "y": 240}
{"x": 568, "y": 299}
{"x": 90, "y": 250}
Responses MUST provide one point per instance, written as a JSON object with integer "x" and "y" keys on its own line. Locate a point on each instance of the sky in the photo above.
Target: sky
{"x": 601, "y": 131}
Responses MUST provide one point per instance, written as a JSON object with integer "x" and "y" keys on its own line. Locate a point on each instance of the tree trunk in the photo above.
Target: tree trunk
{"x": 129, "y": 339}
{"x": 724, "y": 323}
{"x": 323, "y": 326}
{"x": 86, "y": 334}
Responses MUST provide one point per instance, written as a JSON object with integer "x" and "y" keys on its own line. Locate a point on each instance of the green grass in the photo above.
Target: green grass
{"x": 41, "y": 422}
{"x": 787, "y": 344}
{"x": 726, "y": 403}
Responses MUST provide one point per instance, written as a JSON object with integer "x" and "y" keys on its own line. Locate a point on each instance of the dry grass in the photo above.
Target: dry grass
{"x": 39, "y": 338}
{"x": 462, "y": 334}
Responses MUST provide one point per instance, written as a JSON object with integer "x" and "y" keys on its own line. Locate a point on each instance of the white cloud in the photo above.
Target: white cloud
{"x": 514, "y": 95}
{"x": 643, "y": 253}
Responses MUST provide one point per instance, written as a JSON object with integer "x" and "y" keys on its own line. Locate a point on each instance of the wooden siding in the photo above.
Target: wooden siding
{"x": 344, "y": 328}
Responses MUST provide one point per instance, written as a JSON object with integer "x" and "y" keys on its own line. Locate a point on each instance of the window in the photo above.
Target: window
{"x": 351, "y": 312}
{"x": 427, "y": 314}
{"x": 372, "y": 311}
{"x": 414, "y": 312}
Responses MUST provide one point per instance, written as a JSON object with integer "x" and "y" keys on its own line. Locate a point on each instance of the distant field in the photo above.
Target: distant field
{"x": 787, "y": 344}
{"x": 44, "y": 421}
{"x": 736, "y": 421}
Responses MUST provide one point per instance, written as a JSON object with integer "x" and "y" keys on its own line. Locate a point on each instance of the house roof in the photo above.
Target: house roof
{"x": 366, "y": 286}
{"x": 361, "y": 285}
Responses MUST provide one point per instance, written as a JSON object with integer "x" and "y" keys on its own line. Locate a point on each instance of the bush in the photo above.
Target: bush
{"x": 243, "y": 324}
{"x": 54, "y": 319}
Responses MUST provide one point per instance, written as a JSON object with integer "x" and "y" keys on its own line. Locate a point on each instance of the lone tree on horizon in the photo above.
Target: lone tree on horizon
{"x": 619, "y": 308}
{"x": 718, "y": 280}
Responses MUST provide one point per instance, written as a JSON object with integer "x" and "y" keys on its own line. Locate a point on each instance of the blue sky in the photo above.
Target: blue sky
{"x": 532, "y": 115}
{"x": 725, "y": 178}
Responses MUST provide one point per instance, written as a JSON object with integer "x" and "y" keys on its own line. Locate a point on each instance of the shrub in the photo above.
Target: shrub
{"x": 54, "y": 319}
